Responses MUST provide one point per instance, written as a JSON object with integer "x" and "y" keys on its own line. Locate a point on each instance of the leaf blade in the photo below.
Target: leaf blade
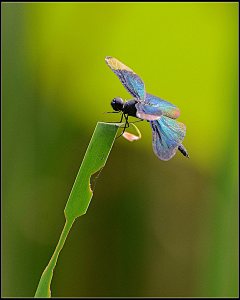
{"x": 81, "y": 194}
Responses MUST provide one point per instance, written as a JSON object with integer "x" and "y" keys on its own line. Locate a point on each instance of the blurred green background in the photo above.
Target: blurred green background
{"x": 154, "y": 228}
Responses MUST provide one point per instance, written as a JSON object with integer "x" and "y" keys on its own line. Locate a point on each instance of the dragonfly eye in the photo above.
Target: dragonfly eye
{"x": 117, "y": 104}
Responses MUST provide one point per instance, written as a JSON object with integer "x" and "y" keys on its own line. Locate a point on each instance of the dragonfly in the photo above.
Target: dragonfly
{"x": 167, "y": 133}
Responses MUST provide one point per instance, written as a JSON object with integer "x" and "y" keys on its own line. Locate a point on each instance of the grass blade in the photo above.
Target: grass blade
{"x": 81, "y": 194}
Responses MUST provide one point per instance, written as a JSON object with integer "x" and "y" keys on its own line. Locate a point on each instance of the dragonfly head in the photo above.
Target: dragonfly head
{"x": 117, "y": 104}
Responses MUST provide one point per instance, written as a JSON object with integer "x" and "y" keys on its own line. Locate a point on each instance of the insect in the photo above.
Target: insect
{"x": 167, "y": 133}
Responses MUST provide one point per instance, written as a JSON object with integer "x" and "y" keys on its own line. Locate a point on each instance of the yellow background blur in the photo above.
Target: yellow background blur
{"x": 154, "y": 228}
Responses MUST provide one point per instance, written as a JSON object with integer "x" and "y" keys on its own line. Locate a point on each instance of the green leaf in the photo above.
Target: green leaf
{"x": 81, "y": 194}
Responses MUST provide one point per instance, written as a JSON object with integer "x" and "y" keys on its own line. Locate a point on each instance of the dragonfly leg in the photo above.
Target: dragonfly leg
{"x": 126, "y": 125}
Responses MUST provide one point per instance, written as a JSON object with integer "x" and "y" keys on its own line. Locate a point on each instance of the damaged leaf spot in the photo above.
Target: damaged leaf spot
{"x": 93, "y": 179}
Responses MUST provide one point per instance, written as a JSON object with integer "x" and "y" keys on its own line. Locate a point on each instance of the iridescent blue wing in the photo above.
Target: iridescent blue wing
{"x": 130, "y": 80}
{"x": 147, "y": 112}
{"x": 168, "y": 109}
{"x": 167, "y": 136}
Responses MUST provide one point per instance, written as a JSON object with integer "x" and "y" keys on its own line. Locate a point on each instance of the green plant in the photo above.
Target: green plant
{"x": 81, "y": 194}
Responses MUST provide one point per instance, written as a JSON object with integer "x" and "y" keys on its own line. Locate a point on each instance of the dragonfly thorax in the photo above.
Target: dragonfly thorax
{"x": 129, "y": 108}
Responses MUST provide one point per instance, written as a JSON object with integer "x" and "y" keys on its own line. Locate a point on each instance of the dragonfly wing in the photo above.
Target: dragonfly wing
{"x": 147, "y": 112}
{"x": 130, "y": 80}
{"x": 167, "y": 135}
{"x": 168, "y": 109}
